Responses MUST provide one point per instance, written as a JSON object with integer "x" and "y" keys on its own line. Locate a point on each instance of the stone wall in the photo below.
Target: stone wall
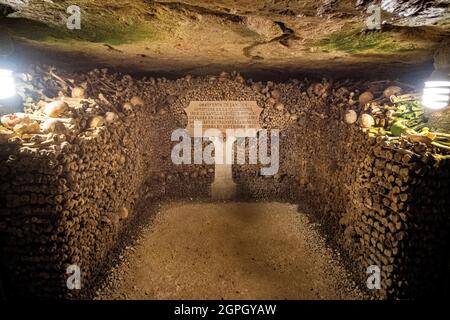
{"x": 382, "y": 201}
{"x": 68, "y": 194}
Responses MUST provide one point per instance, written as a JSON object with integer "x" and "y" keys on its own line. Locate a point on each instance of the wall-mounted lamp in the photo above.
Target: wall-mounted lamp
{"x": 7, "y": 67}
{"x": 436, "y": 94}
{"x": 10, "y": 100}
{"x": 7, "y": 85}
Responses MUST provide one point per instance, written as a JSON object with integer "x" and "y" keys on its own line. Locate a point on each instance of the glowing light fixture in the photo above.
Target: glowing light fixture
{"x": 7, "y": 85}
{"x": 436, "y": 94}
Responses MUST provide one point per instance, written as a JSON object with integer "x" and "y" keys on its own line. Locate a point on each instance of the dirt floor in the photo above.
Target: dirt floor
{"x": 229, "y": 251}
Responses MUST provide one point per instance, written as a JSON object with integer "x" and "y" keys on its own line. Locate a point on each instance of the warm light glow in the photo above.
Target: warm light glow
{"x": 443, "y": 91}
{"x": 434, "y": 104}
{"x": 436, "y": 94}
{"x": 7, "y": 85}
{"x": 435, "y": 84}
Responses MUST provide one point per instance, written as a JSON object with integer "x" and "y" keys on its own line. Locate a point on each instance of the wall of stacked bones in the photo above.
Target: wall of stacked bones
{"x": 91, "y": 148}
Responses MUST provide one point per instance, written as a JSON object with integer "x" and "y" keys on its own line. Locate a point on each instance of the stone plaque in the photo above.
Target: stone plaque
{"x": 223, "y": 115}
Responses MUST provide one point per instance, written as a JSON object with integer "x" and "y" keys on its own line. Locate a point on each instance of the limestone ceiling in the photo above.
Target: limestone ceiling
{"x": 203, "y": 36}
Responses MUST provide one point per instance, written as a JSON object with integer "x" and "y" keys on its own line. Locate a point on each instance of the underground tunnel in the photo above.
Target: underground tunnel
{"x": 224, "y": 150}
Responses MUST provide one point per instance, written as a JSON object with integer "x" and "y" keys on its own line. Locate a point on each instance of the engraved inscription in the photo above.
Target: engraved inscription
{"x": 223, "y": 115}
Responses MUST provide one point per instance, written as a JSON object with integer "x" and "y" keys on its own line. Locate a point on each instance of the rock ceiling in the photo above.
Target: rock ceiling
{"x": 267, "y": 37}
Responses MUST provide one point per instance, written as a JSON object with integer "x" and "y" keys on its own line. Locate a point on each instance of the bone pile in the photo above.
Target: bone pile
{"x": 89, "y": 148}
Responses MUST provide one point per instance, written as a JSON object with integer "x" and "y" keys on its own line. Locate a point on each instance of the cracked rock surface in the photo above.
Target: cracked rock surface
{"x": 267, "y": 38}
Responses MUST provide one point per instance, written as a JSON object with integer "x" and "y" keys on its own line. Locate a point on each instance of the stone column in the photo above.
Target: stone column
{"x": 223, "y": 186}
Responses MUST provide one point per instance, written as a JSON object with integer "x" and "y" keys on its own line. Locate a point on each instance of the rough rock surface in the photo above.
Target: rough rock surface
{"x": 206, "y": 37}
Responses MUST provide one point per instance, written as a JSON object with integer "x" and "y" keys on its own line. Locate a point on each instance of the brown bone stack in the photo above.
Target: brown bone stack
{"x": 403, "y": 224}
{"x": 381, "y": 200}
{"x": 62, "y": 199}
{"x": 68, "y": 191}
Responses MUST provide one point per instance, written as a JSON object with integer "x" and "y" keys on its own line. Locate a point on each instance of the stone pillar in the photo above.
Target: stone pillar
{"x": 223, "y": 186}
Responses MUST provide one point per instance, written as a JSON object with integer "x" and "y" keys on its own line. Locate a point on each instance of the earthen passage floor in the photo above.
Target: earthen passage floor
{"x": 229, "y": 251}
